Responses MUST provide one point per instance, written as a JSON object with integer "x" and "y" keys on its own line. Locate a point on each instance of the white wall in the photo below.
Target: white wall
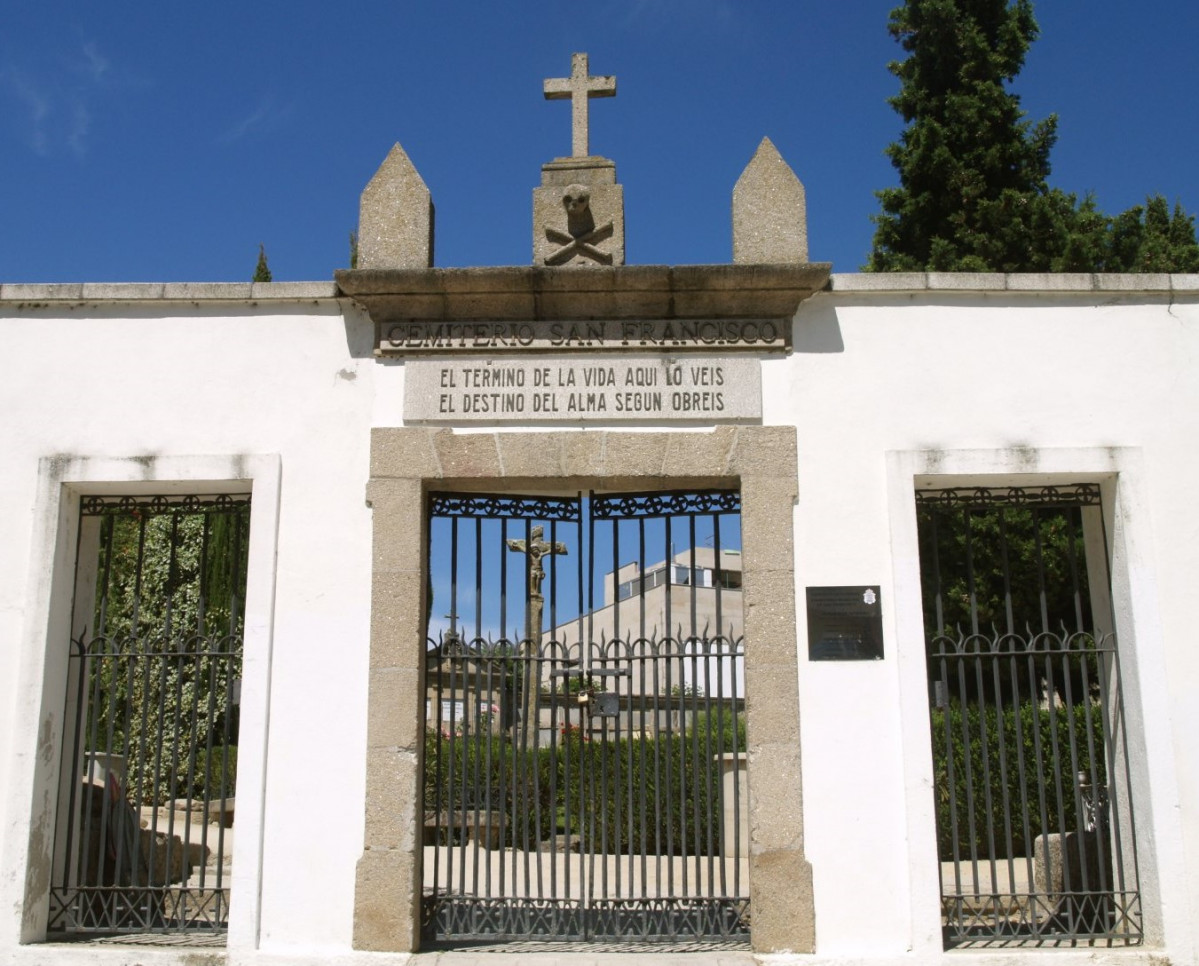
{"x": 985, "y": 385}
{"x": 885, "y": 388}
{"x": 292, "y": 383}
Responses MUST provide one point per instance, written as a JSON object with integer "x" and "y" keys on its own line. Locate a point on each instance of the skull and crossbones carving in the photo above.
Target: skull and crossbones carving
{"x": 581, "y": 234}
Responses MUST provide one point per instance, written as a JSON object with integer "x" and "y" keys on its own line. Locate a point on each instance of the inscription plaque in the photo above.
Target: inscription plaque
{"x": 657, "y": 389}
{"x": 596, "y": 335}
{"x": 844, "y": 624}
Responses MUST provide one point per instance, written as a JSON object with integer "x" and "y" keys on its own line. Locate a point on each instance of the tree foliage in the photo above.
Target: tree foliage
{"x": 166, "y": 652}
{"x": 1016, "y": 570}
{"x": 973, "y": 190}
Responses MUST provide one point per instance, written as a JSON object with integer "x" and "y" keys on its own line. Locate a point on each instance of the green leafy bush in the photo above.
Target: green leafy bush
{"x": 981, "y": 788}
{"x": 591, "y": 789}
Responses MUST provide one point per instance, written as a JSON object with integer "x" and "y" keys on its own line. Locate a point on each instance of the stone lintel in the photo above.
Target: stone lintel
{"x": 520, "y": 293}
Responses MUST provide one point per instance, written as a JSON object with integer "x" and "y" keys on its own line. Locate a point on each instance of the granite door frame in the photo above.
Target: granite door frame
{"x": 408, "y": 462}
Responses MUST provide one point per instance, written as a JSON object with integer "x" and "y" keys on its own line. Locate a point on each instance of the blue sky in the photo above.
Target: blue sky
{"x": 163, "y": 142}
{"x": 482, "y": 557}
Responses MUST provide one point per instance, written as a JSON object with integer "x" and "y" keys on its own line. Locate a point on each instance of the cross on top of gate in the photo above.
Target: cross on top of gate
{"x": 580, "y": 87}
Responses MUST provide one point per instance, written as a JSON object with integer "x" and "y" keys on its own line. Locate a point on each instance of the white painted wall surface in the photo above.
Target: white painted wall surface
{"x": 291, "y": 381}
{"x": 883, "y": 386}
{"x": 1022, "y": 378}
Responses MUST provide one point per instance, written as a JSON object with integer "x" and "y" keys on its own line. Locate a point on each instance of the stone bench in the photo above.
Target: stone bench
{"x": 487, "y": 827}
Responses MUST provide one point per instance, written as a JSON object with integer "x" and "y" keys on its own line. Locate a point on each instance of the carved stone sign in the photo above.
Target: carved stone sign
{"x": 647, "y": 389}
{"x": 618, "y": 335}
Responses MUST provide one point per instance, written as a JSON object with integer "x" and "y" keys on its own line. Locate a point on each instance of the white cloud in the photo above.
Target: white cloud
{"x": 94, "y": 64}
{"x": 58, "y": 105}
{"x": 265, "y": 116}
{"x": 38, "y": 104}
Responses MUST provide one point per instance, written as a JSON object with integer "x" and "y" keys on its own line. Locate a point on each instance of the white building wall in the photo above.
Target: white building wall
{"x": 890, "y": 382}
{"x": 290, "y": 381}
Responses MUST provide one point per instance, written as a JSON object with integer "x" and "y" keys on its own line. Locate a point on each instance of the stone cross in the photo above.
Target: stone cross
{"x": 580, "y": 87}
{"x": 535, "y": 548}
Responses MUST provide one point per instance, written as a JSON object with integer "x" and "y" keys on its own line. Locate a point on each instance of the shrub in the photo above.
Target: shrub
{"x": 592, "y": 789}
{"x": 989, "y": 790}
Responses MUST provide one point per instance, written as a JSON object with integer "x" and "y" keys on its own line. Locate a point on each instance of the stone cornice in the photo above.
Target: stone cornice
{"x": 568, "y": 294}
{"x": 94, "y": 292}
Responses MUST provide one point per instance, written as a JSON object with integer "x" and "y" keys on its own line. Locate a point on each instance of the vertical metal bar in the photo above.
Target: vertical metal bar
{"x": 470, "y": 715}
{"x": 1099, "y": 779}
{"x": 175, "y": 660}
{"x": 458, "y": 769}
{"x": 939, "y": 596}
{"x": 968, "y": 772}
{"x": 1022, "y": 769}
{"x": 1073, "y": 527}
{"x": 445, "y": 748}
{"x": 973, "y": 588}
{"x": 1055, "y": 742}
{"x": 984, "y": 742}
{"x": 643, "y": 710}
{"x": 671, "y": 644}
{"x": 508, "y": 703}
{"x": 210, "y": 672}
{"x": 718, "y": 579}
{"x": 1042, "y": 787}
{"x": 521, "y": 770}
{"x": 624, "y": 691}
{"x": 995, "y": 660}
{"x": 1008, "y": 612}
{"x": 1041, "y": 594}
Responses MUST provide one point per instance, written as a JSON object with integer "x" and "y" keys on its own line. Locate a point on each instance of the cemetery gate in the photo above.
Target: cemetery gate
{"x": 143, "y": 840}
{"x": 585, "y": 739}
{"x": 1030, "y": 761}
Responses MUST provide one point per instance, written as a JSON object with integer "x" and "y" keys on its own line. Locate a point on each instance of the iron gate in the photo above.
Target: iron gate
{"x": 143, "y": 839}
{"x": 1034, "y": 817}
{"x": 585, "y": 740}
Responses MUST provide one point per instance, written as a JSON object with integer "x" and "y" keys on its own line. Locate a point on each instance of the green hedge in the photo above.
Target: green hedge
{"x": 592, "y": 788}
{"x": 983, "y": 747}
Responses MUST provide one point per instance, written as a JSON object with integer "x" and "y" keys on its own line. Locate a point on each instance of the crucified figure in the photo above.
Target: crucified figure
{"x": 536, "y": 548}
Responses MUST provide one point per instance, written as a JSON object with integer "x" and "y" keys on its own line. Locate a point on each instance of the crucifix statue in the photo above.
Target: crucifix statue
{"x": 580, "y": 87}
{"x": 534, "y": 548}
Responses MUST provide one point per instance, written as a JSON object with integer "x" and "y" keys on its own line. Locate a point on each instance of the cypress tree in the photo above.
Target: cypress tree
{"x": 263, "y": 272}
{"x": 973, "y": 189}
{"x": 973, "y": 192}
